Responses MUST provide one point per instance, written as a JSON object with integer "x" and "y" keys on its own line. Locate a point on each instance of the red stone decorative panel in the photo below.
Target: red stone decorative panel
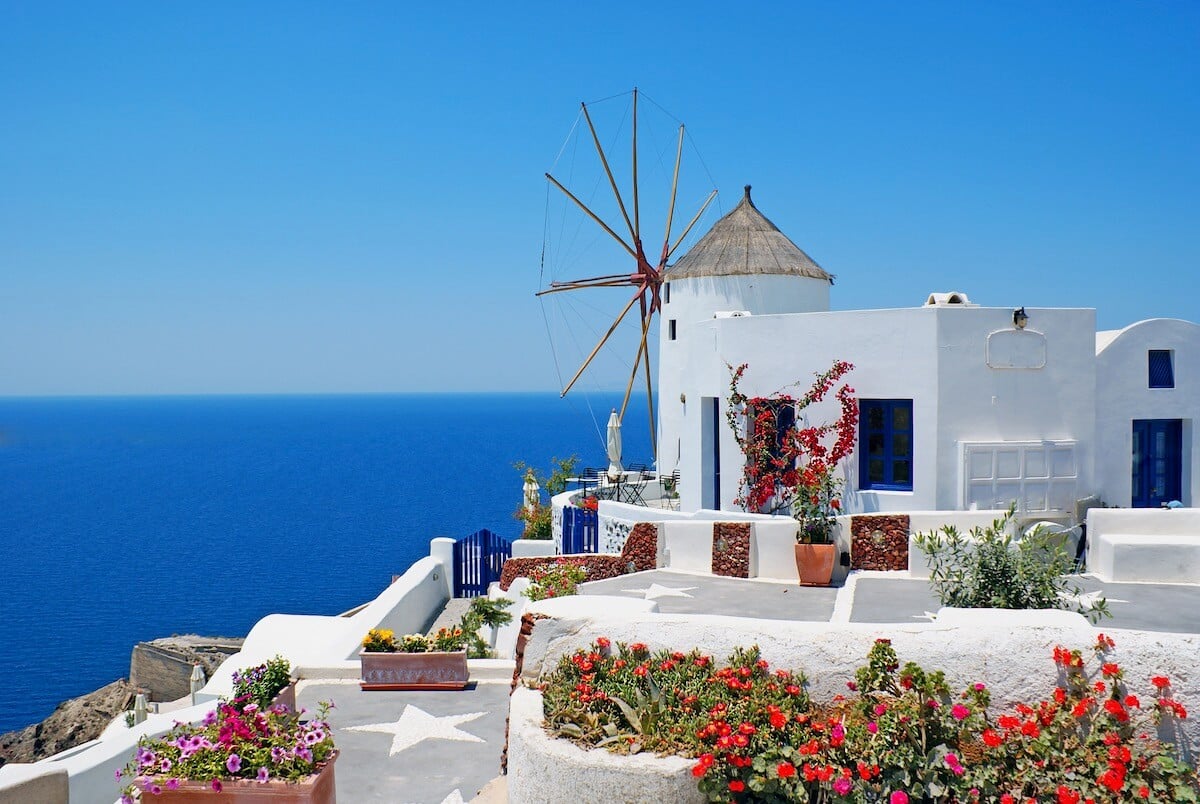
{"x": 731, "y": 549}
{"x": 641, "y": 548}
{"x": 599, "y": 566}
{"x": 879, "y": 542}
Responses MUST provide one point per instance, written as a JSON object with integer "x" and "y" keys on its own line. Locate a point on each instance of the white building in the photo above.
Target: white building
{"x": 961, "y": 406}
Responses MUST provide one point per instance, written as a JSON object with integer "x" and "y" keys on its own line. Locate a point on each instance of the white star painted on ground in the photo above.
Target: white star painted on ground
{"x": 416, "y": 725}
{"x": 655, "y": 591}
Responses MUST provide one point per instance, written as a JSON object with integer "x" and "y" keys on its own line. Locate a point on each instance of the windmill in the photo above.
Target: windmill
{"x": 646, "y": 276}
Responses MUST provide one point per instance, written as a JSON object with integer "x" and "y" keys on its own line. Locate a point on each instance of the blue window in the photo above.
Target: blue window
{"x": 1162, "y": 368}
{"x": 885, "y": 444}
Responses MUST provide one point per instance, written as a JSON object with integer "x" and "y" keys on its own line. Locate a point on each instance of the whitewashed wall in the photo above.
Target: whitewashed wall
{"x": 1123, "y": 394}
{"x": 694, "y": 301}
{"x": 980, "y": 400}
{"x": 936, "y": 356}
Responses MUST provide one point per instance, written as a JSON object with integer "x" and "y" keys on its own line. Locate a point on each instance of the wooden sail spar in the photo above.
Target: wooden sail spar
{"x": 645, "y": 279}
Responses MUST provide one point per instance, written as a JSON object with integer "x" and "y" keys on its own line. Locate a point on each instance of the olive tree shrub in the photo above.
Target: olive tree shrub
{"x": 988, "y": 568}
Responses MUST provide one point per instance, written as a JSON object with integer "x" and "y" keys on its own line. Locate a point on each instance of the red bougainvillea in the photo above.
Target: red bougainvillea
{"x": 790, "y": 466}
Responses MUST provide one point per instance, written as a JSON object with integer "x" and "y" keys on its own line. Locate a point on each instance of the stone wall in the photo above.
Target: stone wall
{"x": 731, "y": 549}
{"x": 879, "y": 542}
{"x": 162, "y": 668}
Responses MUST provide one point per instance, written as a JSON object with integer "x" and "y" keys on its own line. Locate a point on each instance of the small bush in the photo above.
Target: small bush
{"x": 261, "y": 684}
{"x": 560, "y": 579}
{"x": 985, "y": 569}
{"x": 538, "y": 518}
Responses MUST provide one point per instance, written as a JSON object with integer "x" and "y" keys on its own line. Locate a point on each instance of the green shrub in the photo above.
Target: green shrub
{"x": 986, "y": 569}
{"x": 261, "y": 684}
{"x": 538, "y": 519}
{"x": 558, "y": 579}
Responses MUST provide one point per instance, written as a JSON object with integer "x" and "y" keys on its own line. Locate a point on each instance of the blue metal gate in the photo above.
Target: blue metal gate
{"x": 478, "y": 560}
{"x": 581, "y": 530}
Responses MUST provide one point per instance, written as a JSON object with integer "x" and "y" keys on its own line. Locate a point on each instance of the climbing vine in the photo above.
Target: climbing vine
{"x": 790, "y": 467}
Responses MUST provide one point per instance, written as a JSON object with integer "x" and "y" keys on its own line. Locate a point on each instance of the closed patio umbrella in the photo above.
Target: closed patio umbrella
{"x": 614, "y": 447}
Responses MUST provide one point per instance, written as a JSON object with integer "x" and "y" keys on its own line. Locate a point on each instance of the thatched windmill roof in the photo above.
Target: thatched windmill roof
{"x": 744, "y": 243}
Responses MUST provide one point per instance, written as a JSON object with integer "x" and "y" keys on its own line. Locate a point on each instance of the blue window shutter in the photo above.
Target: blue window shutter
{"x": 1162, "y": 369}
{"x": 885, "y": 447}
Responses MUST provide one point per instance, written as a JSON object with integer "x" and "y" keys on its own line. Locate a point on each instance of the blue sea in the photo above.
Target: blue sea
{"x": 130, "y": 518}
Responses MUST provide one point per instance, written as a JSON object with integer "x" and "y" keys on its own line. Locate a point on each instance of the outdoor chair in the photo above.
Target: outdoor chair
{"x": 589, "y": 478}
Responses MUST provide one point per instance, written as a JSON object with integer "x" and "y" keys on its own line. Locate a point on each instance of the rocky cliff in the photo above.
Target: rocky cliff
{"x": 161, "y": 668}
{"x": 73, "y": 723}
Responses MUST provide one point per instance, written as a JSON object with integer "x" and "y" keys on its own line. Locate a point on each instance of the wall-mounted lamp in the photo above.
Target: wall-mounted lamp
{"x": 1020, "y": 319}
{"x": 683, "y": 399}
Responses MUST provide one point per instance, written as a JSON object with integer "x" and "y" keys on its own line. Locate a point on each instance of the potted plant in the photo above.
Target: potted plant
{"x": 435, "y": 661}
{"x": 239, "y": 754}
{"x": 269, "y": 684}
{"x": 815, "y": 509}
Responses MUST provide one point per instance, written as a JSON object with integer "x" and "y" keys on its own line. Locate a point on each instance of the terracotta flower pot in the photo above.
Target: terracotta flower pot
{"x": 436, "y": 670}
{"x": 316, "y": 789}
{"x": 814, "y": 563}
{"x": 286, "y": 697}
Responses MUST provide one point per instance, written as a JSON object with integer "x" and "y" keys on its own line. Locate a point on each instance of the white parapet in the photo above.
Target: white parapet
{"x": 22, "y": 784}
{"x": 1144, "y": 544}
{"x": 1009, "y": 651}
{"x": 546, "y": 770}
{"x": 926, "y": 521}
{"x": 685, "y": 546}
{"x": 532, "y": 548}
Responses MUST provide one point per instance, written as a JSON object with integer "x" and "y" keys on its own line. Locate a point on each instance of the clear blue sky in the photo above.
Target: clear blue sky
{"x": 300, "y": 197}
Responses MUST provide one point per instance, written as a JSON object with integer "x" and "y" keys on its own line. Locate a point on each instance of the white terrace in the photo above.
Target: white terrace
{"x": 445, "y": 746}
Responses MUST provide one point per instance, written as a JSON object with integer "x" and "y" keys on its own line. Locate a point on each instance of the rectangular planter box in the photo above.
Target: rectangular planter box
{"x": 316, "y": 789}
{"x": 414, "y": 671}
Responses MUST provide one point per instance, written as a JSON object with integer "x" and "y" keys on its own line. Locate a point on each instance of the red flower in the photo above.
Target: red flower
{"x": 1066, "y": 795}
{"x": 1160, "y": 681}
{"x": 737, "y": 786}
{"x": 1115, "y": 709}
{"x": 786, "y": 770}
{"x": 1113, "y": 778}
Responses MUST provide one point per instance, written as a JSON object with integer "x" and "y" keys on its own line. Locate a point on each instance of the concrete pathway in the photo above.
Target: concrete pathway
{"x": 414, "y": 747}
{"x": 684, "y": 593}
